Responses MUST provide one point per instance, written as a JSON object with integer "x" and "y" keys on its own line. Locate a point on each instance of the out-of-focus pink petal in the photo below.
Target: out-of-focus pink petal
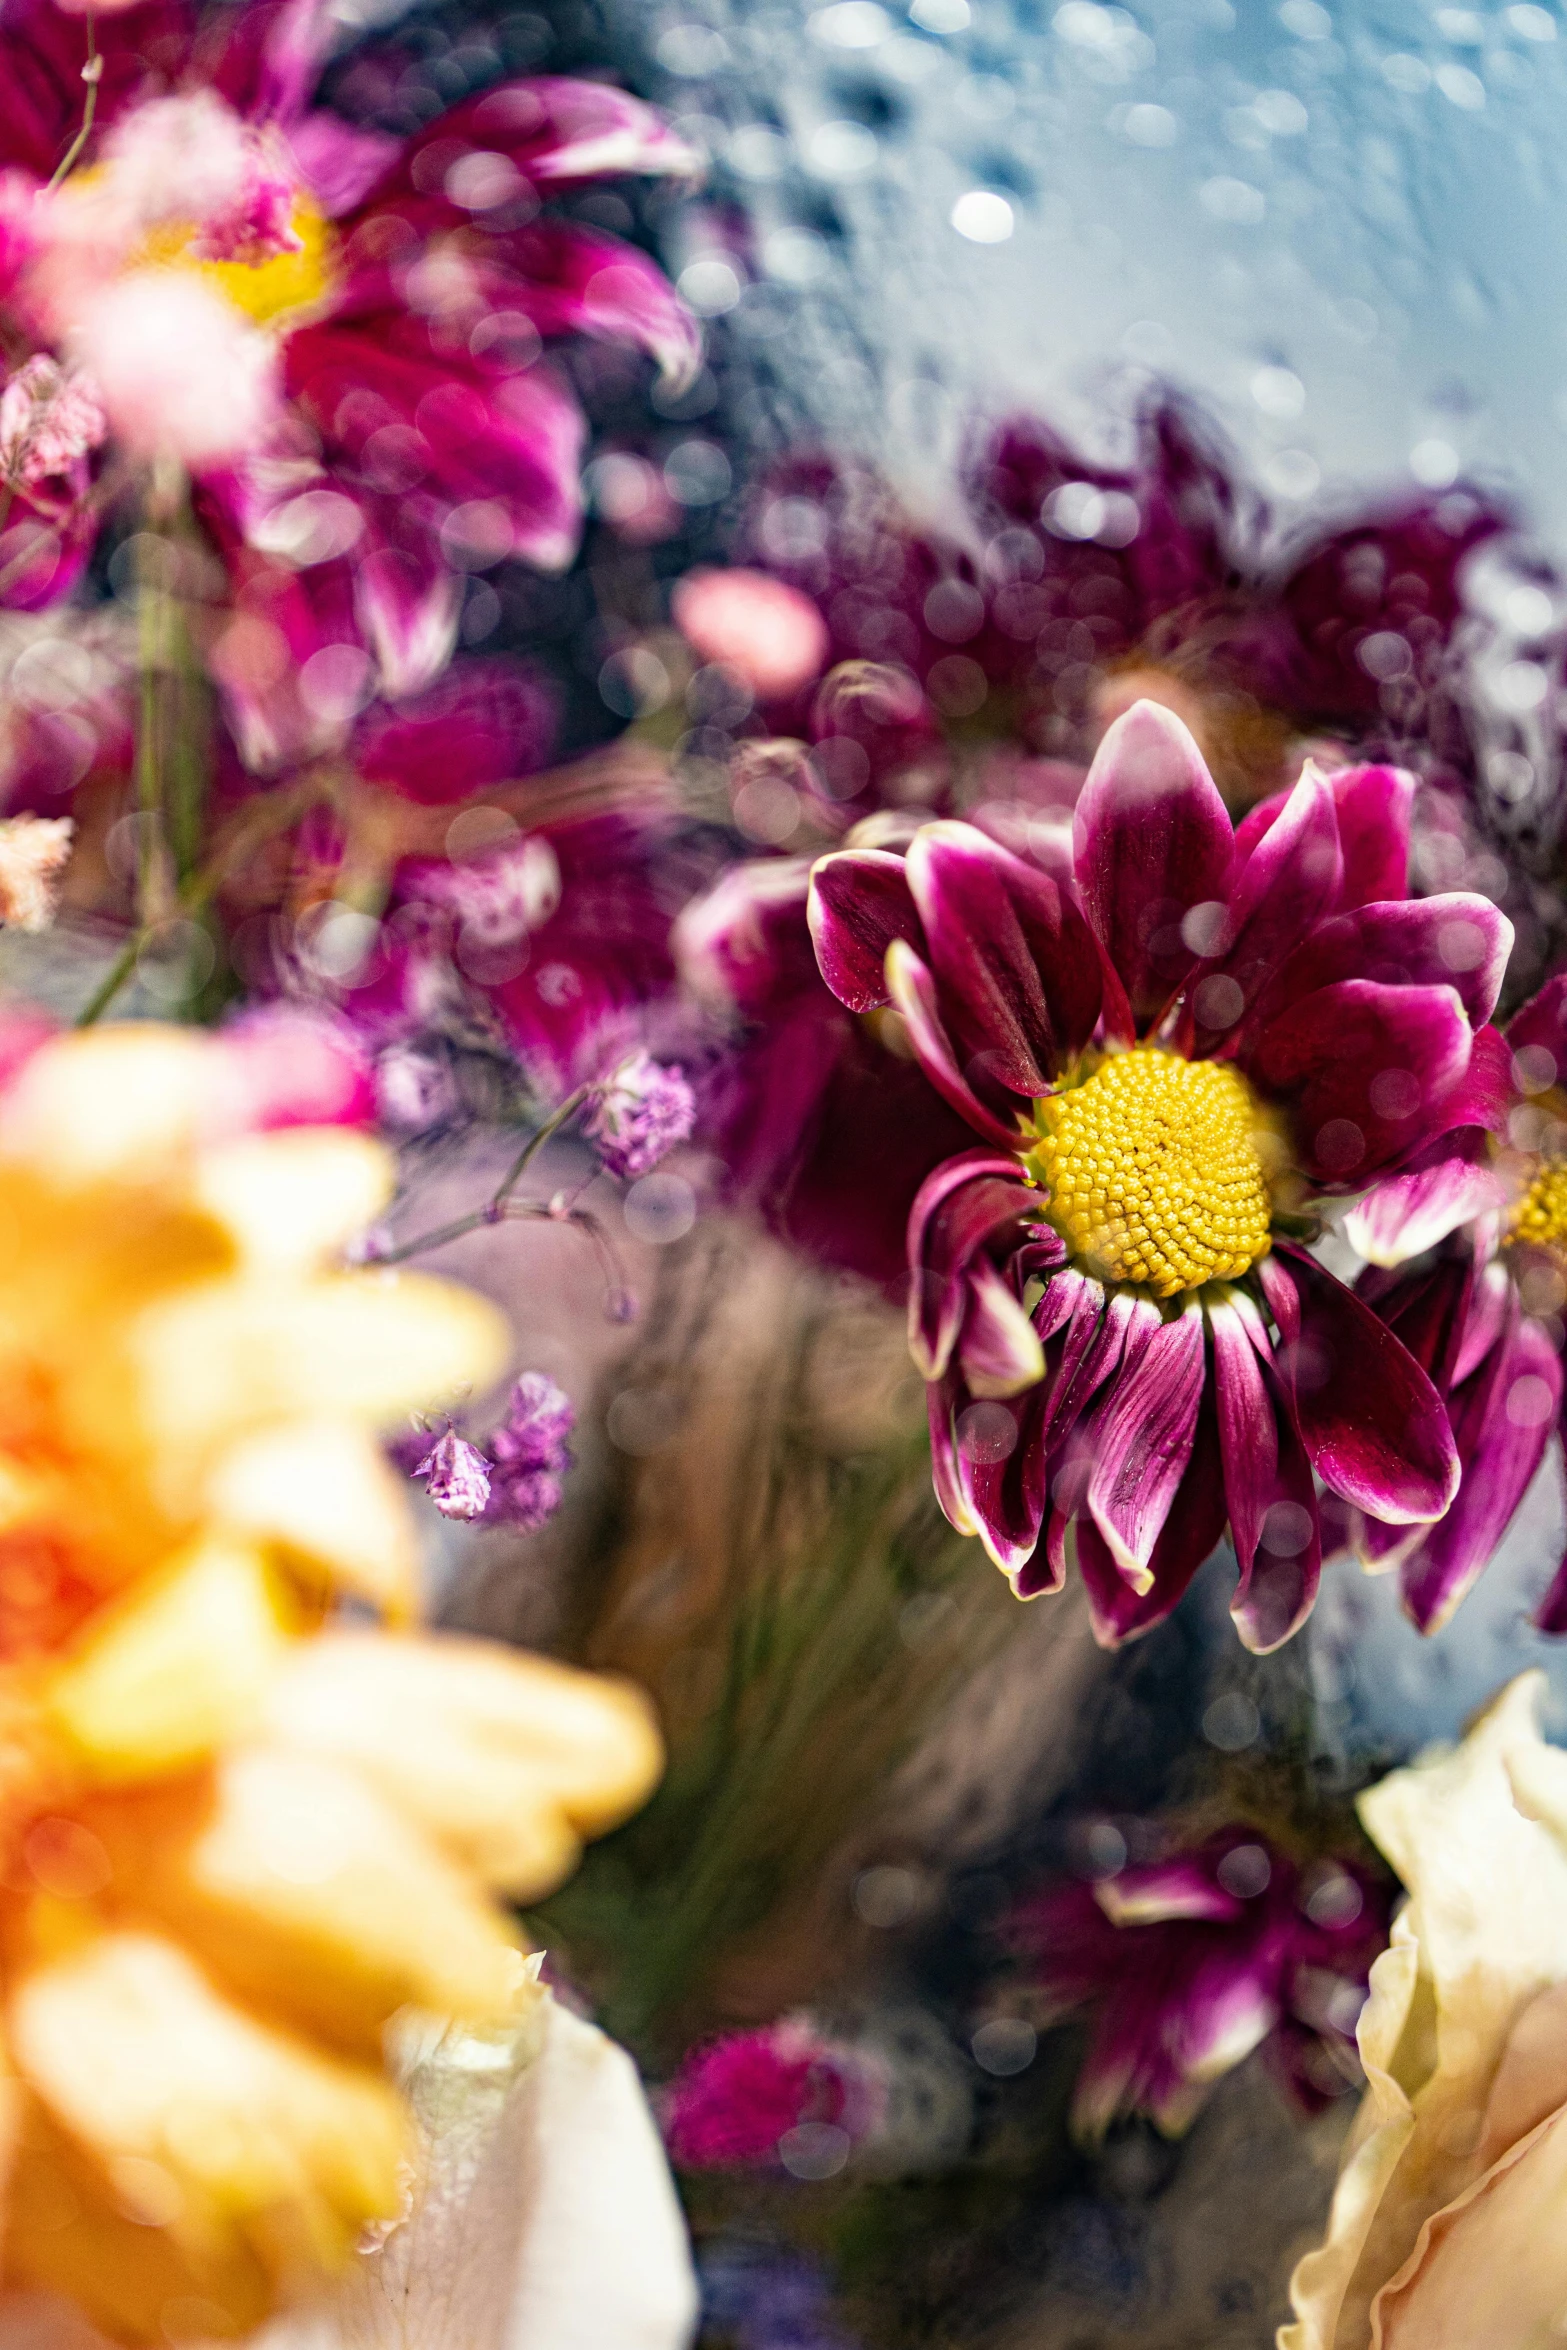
{"x": 860, "y": 901}
{"x": 1013, "y": 958}
{"x": 558, "y": 132}
{"x": 408, "y": 613}
{"x": 298, "y": 1066}
{"x": 1540, "y": 1026}
{"x": 483, "y": 723}
{"x": 769, "y": 632}
{"x": 1184, "y": 1886}
{"x": 913, "y": 990}
{"x": 1151, "y": 841}
{"x": 1364, "y": 1070}
{"x": 1370, "y": 1419}
{"x": 339, "y": 163}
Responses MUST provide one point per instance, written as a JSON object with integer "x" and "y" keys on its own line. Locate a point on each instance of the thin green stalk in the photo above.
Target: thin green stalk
{"x": 92, "y": 75}
{"x": 152, "y": 660}
{"x": 273, "y": 815}
{"x": 498, "y": 1205}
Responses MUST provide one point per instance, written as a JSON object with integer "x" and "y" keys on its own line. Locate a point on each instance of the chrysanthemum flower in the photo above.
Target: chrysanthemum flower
{"x": 1170, "y": 1052}
{"x": 1192, "y": 1961}
{"x": 1468, "y": 1264}
{"x": 237, "y": 1837}
{"x": 337, "y": 331}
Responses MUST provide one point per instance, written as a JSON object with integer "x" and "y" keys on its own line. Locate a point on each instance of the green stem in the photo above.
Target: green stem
{"x": 275, "y": 815}
{"x": 498, "y": 1206}
{"x": 92, "y": 75}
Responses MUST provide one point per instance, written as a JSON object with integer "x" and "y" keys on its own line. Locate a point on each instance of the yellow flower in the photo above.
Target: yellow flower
{"x": 1449, "y": 2224}
{"x": 236, "y": 1837}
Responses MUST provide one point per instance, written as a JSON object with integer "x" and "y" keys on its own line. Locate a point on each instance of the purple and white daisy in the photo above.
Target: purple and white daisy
{"x": 1170, "y": 1050}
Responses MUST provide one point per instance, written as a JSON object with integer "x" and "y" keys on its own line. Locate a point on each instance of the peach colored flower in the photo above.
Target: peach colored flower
{"x": 236, "y": 1837}
{"x": 1449, "y": 2224}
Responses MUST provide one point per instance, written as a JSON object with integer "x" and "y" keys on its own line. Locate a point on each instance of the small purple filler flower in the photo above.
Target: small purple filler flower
{"x": 456, "y": 1476}
{"x": 642, "y": 1112}
{"x": 530, "y": 1454}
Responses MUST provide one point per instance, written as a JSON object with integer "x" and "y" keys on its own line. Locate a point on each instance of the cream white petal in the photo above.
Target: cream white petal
{"x": 324, "y": 1494}
{"x": 294, "y": 1198}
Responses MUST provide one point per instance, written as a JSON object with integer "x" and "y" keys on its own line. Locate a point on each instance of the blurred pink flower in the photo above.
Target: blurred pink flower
{"x": 767, "y": 631}
{"x": 734, "y": 2100}
{"x": 1192, "y": 1961}
{"x": 339, "y": 333}
{"x": 180, "y": 372}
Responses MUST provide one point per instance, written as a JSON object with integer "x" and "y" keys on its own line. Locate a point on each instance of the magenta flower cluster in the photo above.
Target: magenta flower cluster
{"x": 1188, "y": 1963}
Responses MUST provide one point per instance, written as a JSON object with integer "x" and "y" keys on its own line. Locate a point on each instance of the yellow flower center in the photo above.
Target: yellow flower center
{"x": 1154, "y": 1166}
{"x": 1541, "y": 1215}
{"x": 277, "y": 291}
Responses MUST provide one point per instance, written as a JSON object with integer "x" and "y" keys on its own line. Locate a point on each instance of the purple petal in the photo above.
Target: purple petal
{"x": 339, "y": 164}
{"x": 1373, "y": 806}
{"x": 1428, "y": 1311}
{"x": 1502, "y": 1420}
{"x": 1151, "y": 839}
{"x": 945, "y": 1466}
{"x": 1459, "y": 941}
{"x": 560, "y": 132}
{"x": 999, "y": 1347}
{"x": 1005, "y": 1498}
{"x": 1410, "y": 1213}
{"x": 963, "y": 1208}
{"x": 860, "y": 901}
{"x": 408, "y": 614}
{"x": 1163, "y": 1890}
{"x": 1268, "y": 1487}
{"x": 1364, "y": 1069}
{"x": 913, "y": 991}
{"x": 1291, "y": 878}
{"x": 1370, "y": 1419}
{"x": 1487, "y": 1318}
{"x": 1013, "y": 958}
{"x": 1189, "y": 1535}
{"x": 1142, "y": 1440}
{"x": 1090, "y": 1349}
{"x": 1485, "y": 1094}
{"x": 1541, "y": 1025}
{"x": 1248, "y": 1434}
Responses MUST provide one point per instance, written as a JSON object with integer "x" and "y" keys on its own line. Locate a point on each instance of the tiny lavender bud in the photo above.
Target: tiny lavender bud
{"x": 531, "y": 1454}
{"x": 642, "y": 1112}
{"x": 456, "y": 1476}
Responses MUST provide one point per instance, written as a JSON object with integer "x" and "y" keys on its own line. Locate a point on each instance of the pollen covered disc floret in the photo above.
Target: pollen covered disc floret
{"x": 1541, "y": 1215}
{"x": 1155, "y": 1171}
